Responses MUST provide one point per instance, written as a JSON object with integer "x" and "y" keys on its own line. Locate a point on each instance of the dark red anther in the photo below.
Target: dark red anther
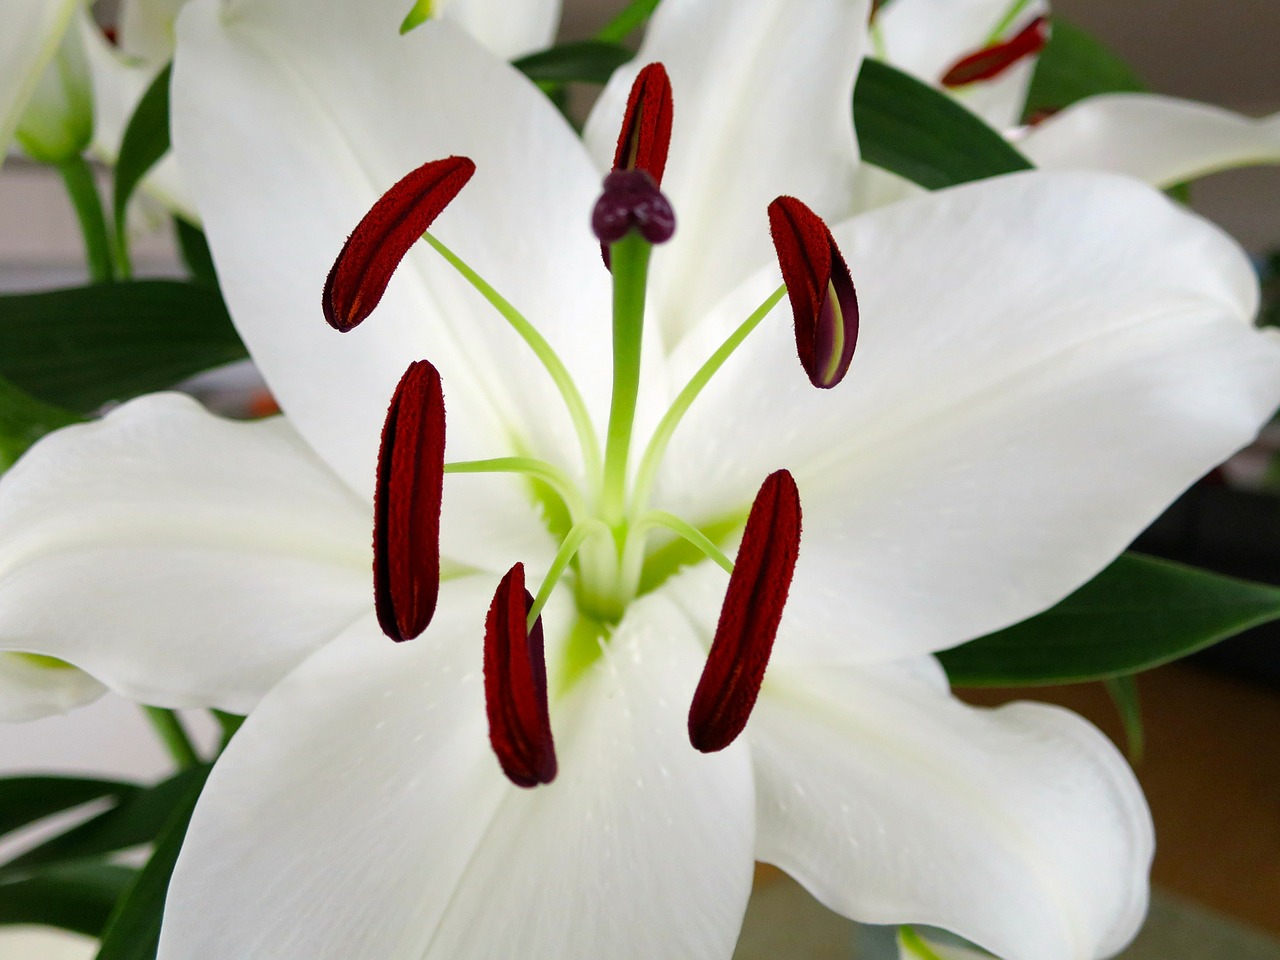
{"x": 823, "y": 300}
{"x": 406, "y": 505}
{"x": 632, "y": 201}
{"x": 989, "y": 62}
{"x": 380, "y": 241}
{"x": 515, "y": 686}
{"x": 646, "y": 128}
{"x": 750, "y": 616}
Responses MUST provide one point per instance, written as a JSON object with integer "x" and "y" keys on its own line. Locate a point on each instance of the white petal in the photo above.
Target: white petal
{"x": 340, "y": 135}
{"x": 762, "y": 92}
{"x": 928, "y": 37}
{"x": 147, "y": 28}
{"x": 30, "y": 31}
{"x": 1161, "y": 140}
{"x": 508, "y": 29}
{"x": 360, "y": 812}
{"x": 42, "y": 943}
{"x": 30, "y": 689}
{"x": 1045, "y": 362}
{"x": 1021, "y": 829}
{"x": 180, "y": 559}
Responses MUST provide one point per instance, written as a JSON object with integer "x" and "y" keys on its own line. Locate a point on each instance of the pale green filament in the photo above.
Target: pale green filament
{"x": 630, "y": 262}
{"x": 552, "y": 476}
{"x": 541, "y": 349}
{"x": 423, "y": 10}
{"x": 687, "y": 531}
{"x": 667, "y": 426}
{"x": 1007, "y": 21}
{"x": 564, "y": 556}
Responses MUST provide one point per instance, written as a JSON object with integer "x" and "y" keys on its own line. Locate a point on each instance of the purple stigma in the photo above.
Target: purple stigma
{"x": 632, "y": 201}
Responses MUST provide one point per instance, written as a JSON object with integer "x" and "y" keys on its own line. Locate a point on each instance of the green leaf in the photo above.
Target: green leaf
{"x": 24, "y": 420}
{"x": 81, "y": 347}
{"x": 24, "y": 800}
{"x": 137, "y": 819}
{"x": 1137, "y": 614}
{"x": 910, "y": 129}
{"x": 1124, "y": 694}
{"x": 195, "y": 253}
{"x": 145, "y": 141}
{"x": 1073, "y": 66}
{"x": 417, "y": 16}
{"x": 586, "y": 61}
{"x": 633, "y": 16}
{"x": 133, "y": 931}
{"x": 79, "y": 898}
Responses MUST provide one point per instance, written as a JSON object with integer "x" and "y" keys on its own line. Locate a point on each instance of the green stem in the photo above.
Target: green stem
{"x": 171, "y": 732}
{"x": 632, "y": 17}
{"x": 564, "y": 556}
{"x": 554, "y": 477}
{"x": 77, "y": 176}
{"x": 630, "y": 260}
{"x": 667, "y": 426}
{"x": 541, "y": 349}
{"x": 1006, "y": 21}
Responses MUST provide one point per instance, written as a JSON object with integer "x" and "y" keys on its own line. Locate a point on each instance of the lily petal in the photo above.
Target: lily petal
{"x": 762, "y": 91}
{"x": 1162, "y": 140}
{"x": 30, "y": 31}
{"x": 335, "y": 147}
{"x": 926, "y": 37}
{"x": 180, "y": 559}
{"x": 1021, "y": 829}
{"x": 31, "y": 688}
{"x": 640, "y": 848}
{"x": 1026, "y": 399}
{"x": 510, "y": 30}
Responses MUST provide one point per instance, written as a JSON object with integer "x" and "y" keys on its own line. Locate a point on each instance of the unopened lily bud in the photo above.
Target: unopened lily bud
{"x": 750, "y": 616}
{"x": 406, "y": 506}
{"x": 57, "y": 123}
{"x": 823, "y": 300}
{"x": 632, "y": 201}
{"x": 646, "y": 129}
{"x": 515, "y": 686}
{"x": 989, "y": 62}
{"x": 386, "y": 233}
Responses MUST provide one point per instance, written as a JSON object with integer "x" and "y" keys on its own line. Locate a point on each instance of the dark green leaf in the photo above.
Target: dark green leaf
{"x": 83, "y": 346}
{"x": 632, "y": 18}
{"x": 137, "y": 819}
{"x": 587, "y": 61}
{"x": 146, "y": 140}
{"x": 910, "y": 129}
{"x": 134, "y": 929}
{"x": 24, "y": 420}
{"x": 1124, "y": 694}
{"x": 1073, "y": 66}
{"x": 24, "y": 800}
{"x": 1135, "y": 615}
{"x": 195, "y": 253}
{"x": 79, "y": 898}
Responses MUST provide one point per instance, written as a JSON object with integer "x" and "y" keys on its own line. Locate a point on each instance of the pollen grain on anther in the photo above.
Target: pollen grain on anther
{"x": 515, "y": 686}
{"x": 749, "y": 617}
{"x": 407, "y": 502}
{"x": 384, "y": 235}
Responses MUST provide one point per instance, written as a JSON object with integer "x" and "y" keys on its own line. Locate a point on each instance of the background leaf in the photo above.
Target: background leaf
{"x": 587, "y": 61}
{"x": 1073, "y": 66}
{"x": 145, "y": 141}
{"x": 24, "y": 420}
{"x": 79, "y": 898}
{"x": 908, "y": 128}
{"x": 1137, "y": 614}
{"x": 81, "y": 347}
{"x": 24, "y": 800}
{"x": 1124, "y": 694}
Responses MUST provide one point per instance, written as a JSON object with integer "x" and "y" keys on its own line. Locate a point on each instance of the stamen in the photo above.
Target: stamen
{"x": 646, "y": 128}
{"x": 380, "y": 241}
{"x": 750, "y": 616}
{"x": 406, "y": 506}
{"x": 823, "y": 300}
{"x": 989, "y": 62}
{"x": 515, "y": 686}
{"x": 632, "y": 201}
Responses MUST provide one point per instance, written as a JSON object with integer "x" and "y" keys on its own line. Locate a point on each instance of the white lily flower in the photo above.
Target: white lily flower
{"x": 57, "y": 123}
{"x": 1162, "y": 140}
{"x": 30, "y": 32}
{"x": 1024, "y": 399}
